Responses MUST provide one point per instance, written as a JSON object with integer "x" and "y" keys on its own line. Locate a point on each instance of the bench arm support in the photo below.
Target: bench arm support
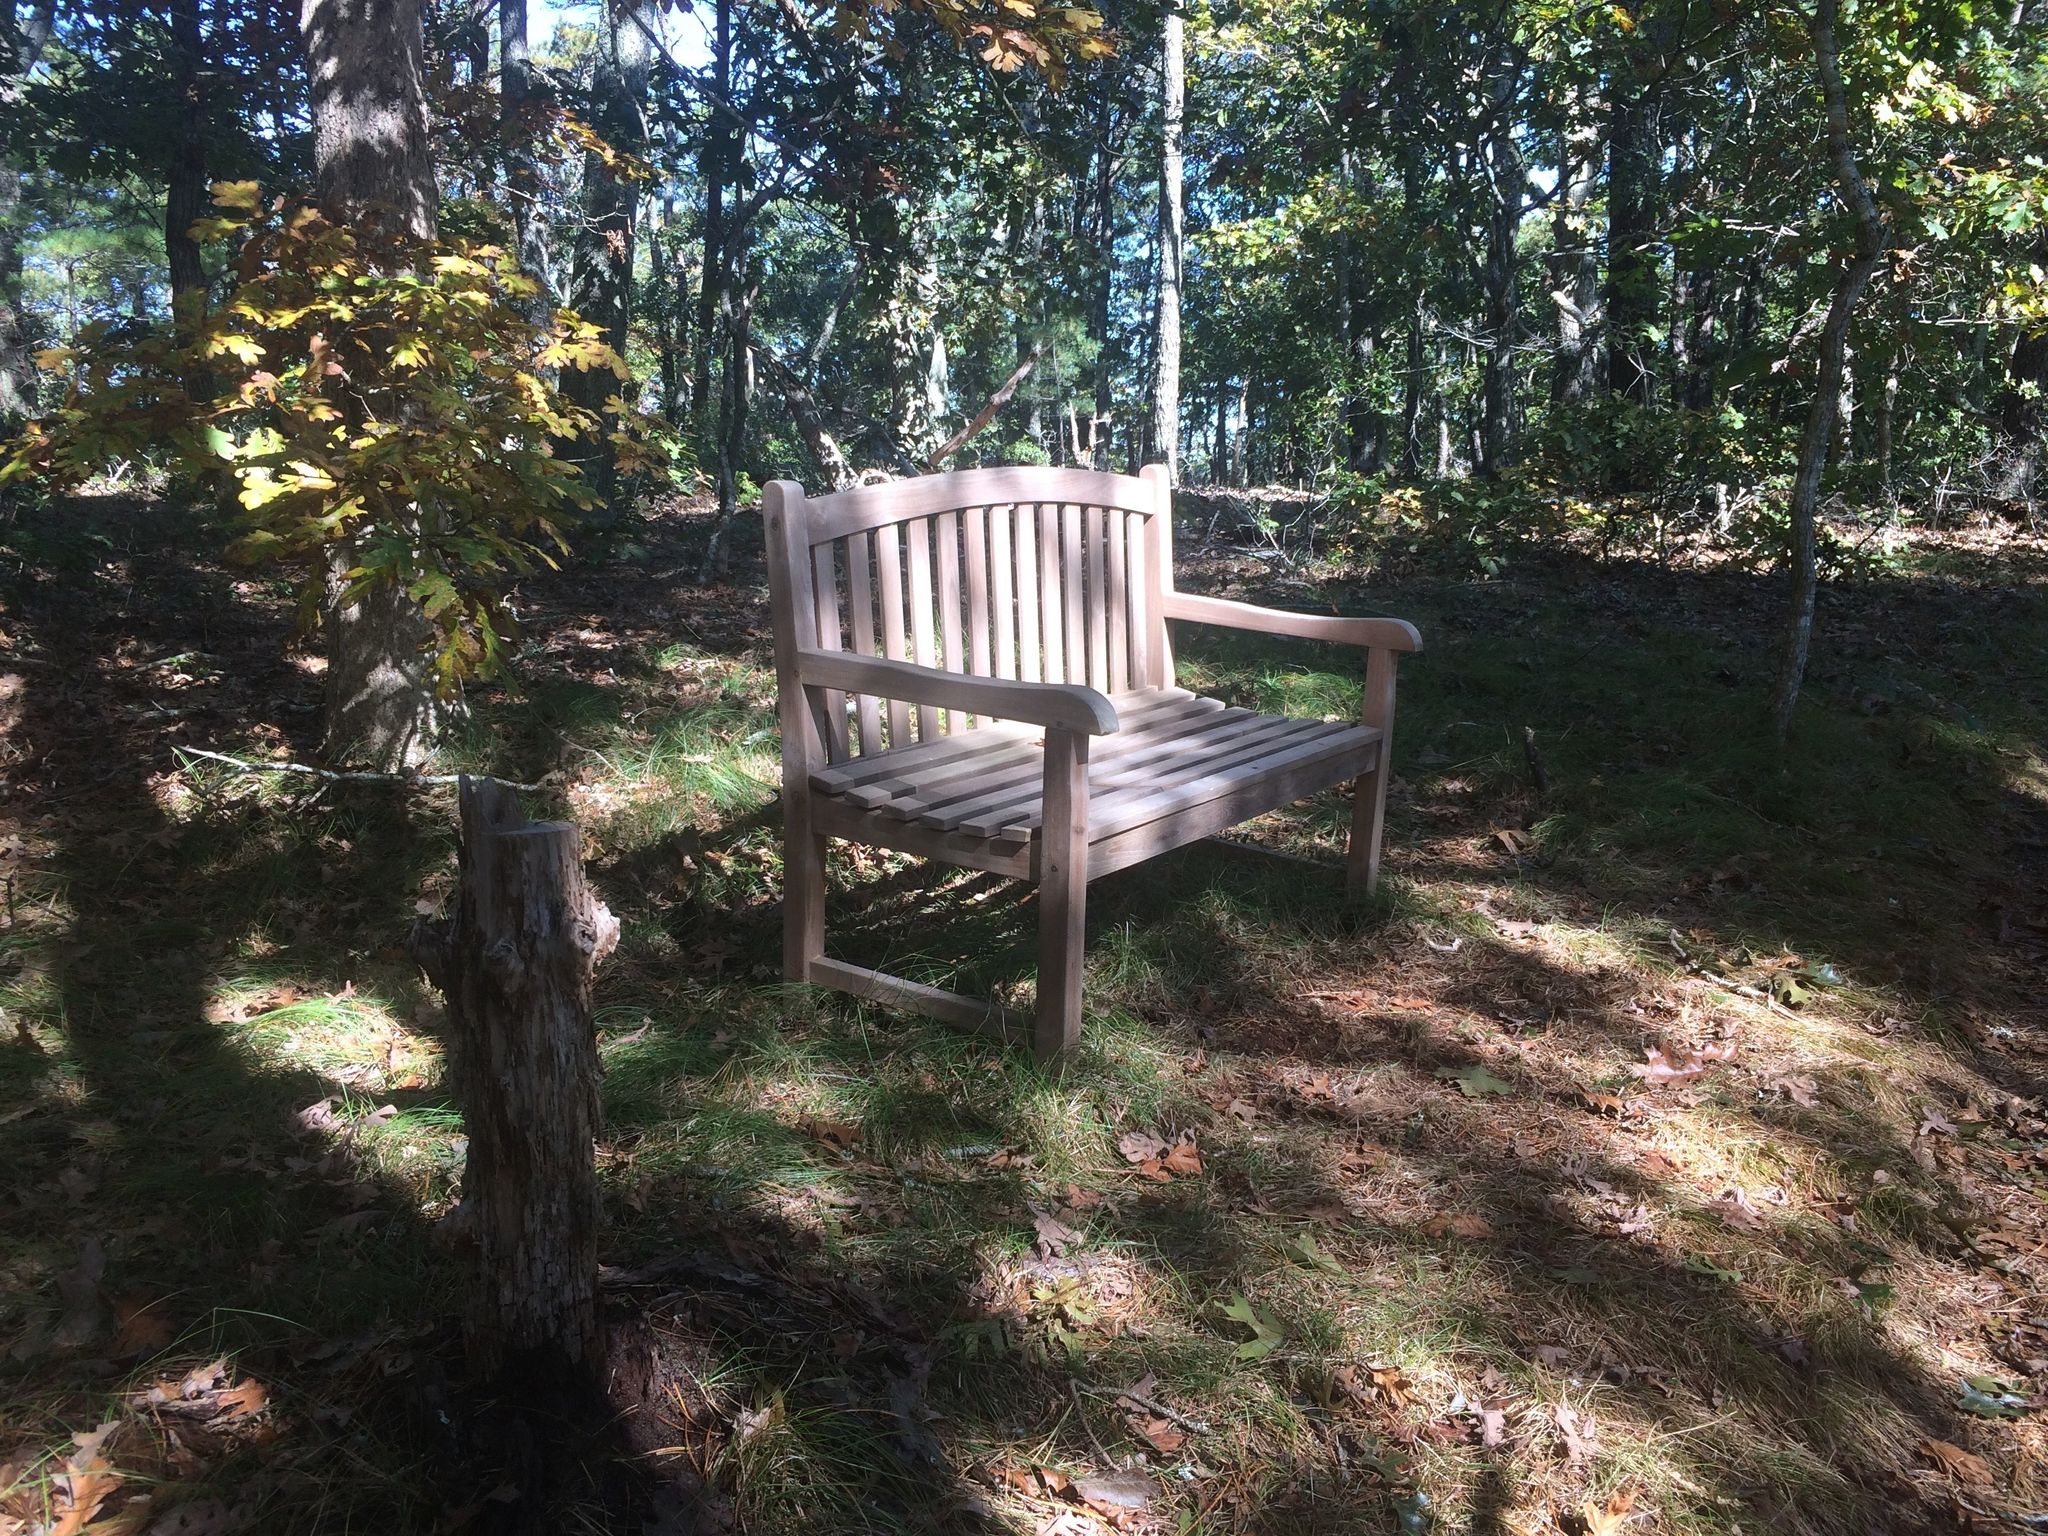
{"x": 1055, "y": 706}
{"x": 1377, "y": 634}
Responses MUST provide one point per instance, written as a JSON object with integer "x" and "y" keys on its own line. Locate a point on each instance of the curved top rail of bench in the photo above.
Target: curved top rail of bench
{"x": 872, "y": 506}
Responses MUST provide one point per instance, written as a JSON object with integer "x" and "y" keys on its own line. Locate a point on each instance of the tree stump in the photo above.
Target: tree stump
{"x": 515, "y": 961}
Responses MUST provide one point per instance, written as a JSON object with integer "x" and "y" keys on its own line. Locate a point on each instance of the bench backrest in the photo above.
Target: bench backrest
{"x": 1042, "y": 574}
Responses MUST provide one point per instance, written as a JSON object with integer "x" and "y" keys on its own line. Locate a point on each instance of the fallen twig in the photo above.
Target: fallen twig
{"x": 1193, "y": 1426}
{"x": 341, "y": 776}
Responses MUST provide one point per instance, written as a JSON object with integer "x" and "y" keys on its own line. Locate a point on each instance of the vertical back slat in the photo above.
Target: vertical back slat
{"x": 860, "y": 596}
{"x": 1073, "y": 579}
{"x": 1158, "y": 578}
{"x": 977, "y": 590}
{"x": 1119, "y": 622}
{"x": 1051, "y": 634}
{"x": 1029, "y": 660}
{"x": 889, "y": 571}
{"x": 1095, "y": 530}
{"x": 1001, "y": 609}
{"x": 825, "y": 598}
{"x": 917, "y": 537}
{"x": 1141, "y": 601}
{"x": 946, "y": 529}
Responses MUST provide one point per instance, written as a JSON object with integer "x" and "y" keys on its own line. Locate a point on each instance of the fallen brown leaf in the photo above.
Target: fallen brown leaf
{"x": 835, "y": 1133}
{"x": 1965, "y": 1466}
{"x": 1608, "y": 1518}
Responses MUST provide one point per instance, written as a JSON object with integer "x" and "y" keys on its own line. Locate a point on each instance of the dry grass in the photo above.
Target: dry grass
{"x": 1505, "y": 1282}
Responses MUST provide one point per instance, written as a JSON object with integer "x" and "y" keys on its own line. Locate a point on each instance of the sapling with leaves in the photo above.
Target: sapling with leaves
{"x": 368, "y": 389}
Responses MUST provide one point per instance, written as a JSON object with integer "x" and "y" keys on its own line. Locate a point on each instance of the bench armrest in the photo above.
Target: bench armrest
{"x": 1385, "y": 634}
{"x": 1055, "y": 706}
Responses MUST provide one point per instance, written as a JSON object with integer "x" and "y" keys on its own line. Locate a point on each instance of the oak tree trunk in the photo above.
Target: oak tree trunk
{"x": 373, "y": 162}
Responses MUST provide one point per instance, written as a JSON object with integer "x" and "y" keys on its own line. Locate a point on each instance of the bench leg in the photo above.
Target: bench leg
{"x": 1062, "y": 895}
{"x": 1368, "y": 820}
{"x": 803, "y": 895}
{"x": 1369, "y": 790}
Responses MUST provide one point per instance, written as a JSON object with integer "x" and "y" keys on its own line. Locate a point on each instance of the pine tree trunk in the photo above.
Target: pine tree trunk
{"x": 1165, "y": 434}
{"x": 30, "y": 35}
{"x": 1105, "y": 281}
{"x": 185, "y": 188}
{"x": 715, "y": 161}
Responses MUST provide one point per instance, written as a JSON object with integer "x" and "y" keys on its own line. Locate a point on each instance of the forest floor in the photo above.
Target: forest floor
{"x": 1660, "y": 1151}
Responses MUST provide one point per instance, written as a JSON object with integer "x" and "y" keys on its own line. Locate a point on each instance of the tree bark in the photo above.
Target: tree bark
{"x": 1834, "y": 342}
{"x": 715, "y": 160}
{"x": 1506, "y": 176}
{"x": 1631, "y": 300}
{"x": 372, "y": 162}
{"x": 185, "y": 189}
{"x": 601, "y": 262}
{"x": 1574, "y": 262}
{"x": 1105, "y": 282}
{"x": 2019, "y": 421}
{"x": 1172, "y": 243}
{"x": 515, "y": 962}
{"x": 518, "y": 105}
{"x": 31, "y": 34}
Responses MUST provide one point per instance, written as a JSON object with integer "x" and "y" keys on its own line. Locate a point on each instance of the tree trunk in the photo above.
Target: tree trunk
{"x": 601, "y": 262}
{"x": 30, "y": 35}
{"x": 515, "y": 962}
{"x": 1631, "y": 258}
{"x": 1503, "y": 309}
{"x": 2020, "y": 421}
{"x": 1105, "y": 285}
{"x": 1575, "y": 263}
{"x": 1834, "y": 343}
{"x": 185, "y": 189}
{"x": 372, "y": 157}
{"x": 1172, "y": 244}
{"x": 1414, "y": 390}
{"x": 721, "y": 148}
{"x": 518, "y": 104}
{"x": 372, "y": 162}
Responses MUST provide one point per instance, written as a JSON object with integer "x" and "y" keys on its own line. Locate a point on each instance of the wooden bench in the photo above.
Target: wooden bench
{"x": 975, "y": 668}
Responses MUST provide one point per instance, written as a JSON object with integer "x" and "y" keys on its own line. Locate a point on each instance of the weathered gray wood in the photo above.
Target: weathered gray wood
{"x": 946, "y": 528}
{"x": 917, "y": 536}
{"x": 1073, "y": 580}
{"x": 1369, "y": 789}
{"x": 515, "y": 961}
{"x": 1095, "y": 536}
{"x": 1002, "y": 605}
{"x": 1134, "y": 845}
{"x": 1030, "y": 659}
{"x": 1066, "y": 578}
{"x": 1050, "y": 631}
{"x": 1144, "y": 613}
{"x": 1158, "y": 576}
{"x": 977, "y": 593}
{"x": 855, "y": 511}
{"x": 889, "y": 584}
{"x": 1390, "y": 634}
{"x": 982, "y": 1018}
{"x": 1064, "y": 706}
{"x": 1116, "y": 594}
{"x": 860, "y": 598}
{"x": 828, "y": 637}
{"x": 1062, "y": 895}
